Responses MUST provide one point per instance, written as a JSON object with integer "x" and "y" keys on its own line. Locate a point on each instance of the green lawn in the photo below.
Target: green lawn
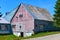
{"x": 12, "y": 37}
{"x": 8, "y": 37}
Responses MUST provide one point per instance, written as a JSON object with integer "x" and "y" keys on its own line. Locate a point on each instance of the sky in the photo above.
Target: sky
{"x": 9, "y": 5}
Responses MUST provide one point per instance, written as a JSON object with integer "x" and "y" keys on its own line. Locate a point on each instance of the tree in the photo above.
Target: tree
{"x": 57, "y": 14}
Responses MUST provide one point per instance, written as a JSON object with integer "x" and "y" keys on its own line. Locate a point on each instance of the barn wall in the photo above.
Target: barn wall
{"x": 26, "y": 16}
{"x": 8, "y": 31}
{"x": 46, "y": 26}
{"x": 27, "y": 20}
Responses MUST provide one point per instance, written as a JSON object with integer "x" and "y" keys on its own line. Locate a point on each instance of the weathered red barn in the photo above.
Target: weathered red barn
{"x": 27, "y": 19}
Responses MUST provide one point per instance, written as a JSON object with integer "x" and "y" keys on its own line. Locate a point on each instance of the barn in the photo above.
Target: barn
{"x": 27, "y": 19}
{"x": 5, "y": 27}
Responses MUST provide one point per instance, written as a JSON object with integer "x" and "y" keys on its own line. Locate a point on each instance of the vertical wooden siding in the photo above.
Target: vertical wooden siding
{"x": 26, "y": 20}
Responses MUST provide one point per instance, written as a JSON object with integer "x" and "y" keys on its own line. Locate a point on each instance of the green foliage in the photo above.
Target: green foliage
{"x": 57, "y": 14}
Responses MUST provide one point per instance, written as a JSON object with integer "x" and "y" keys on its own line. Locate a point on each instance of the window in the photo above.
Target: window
{"x": 6, "y": 27}
{"x": 3, "y": 27}
{"x": 20, "y": 26}
{"x": 21, "y": 15}
{"x": 41, "y": 27}
{"x": 16, "y": 17}
{"x": 13, "y": 26}
{"x": 36, "y": 25}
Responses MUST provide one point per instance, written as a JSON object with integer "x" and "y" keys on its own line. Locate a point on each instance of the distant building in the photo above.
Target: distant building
{"x": 5, "y": 27}
{"x": 27, "y": 19}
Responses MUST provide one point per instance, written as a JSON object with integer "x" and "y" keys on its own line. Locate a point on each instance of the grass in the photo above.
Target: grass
{"x": 8, "y": 37}
{"x": 12, "y": 37}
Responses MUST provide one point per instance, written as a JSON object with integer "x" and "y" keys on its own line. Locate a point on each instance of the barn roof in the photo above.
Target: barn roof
{"x": 38, "y": 13}
{"x": 10, "y": 15}
{"x": 3, "y": 21}
{"x": 35, "y": 12}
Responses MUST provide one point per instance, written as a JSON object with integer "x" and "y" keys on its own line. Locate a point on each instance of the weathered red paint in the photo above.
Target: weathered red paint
{"x": 27, "y": 19}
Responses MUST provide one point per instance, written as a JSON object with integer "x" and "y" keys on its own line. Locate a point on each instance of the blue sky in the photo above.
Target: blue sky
{"x": 8, "y": 5}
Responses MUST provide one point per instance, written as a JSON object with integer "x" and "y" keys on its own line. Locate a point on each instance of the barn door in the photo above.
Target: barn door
{"x": 21, "y": 29}
{"x": 22, "y": 34}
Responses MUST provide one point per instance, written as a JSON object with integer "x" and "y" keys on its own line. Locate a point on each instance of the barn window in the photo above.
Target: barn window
{"x": 41, "y": 27}
{"x": 16, "y": 17}
{"x": 21, "y": 15}
{"x": 3, "y": 27}
{"x": 6, "y": 27}
{"x": 20, "y": 26}
{"x": 13, "y": 26}
{"x": 36, "y": 25}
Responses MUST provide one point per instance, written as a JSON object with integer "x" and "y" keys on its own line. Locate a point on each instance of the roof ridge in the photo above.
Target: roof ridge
{"x": 32, "y": 5}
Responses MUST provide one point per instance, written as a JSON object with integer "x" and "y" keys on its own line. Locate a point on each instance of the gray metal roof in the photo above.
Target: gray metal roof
{"x": 3, "y": 21}
{"x": 38, "y": 13}
{"x": 35, "y": 12}
{"x": 10, "y": 15}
